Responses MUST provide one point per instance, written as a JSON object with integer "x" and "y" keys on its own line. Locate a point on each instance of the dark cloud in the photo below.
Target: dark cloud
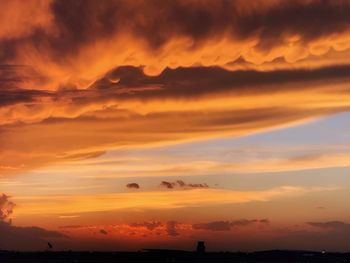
{"x": 157, "y": 22}
{"x": 171, "y": 83}
{"x": 198, "y": 185}
{"x": 213, "y": 226}
{"x": 14, "y": 237}
{"x": 14, "y": 96}
{"x": 196, "y": 81}
{"x": 181, "y": 184}
{"x": 14, "y": 89}
{"x": 149, "y": 225}
{"x": 133, "y": 186}
{"x": 171, "y": 228}
{"x": 180, "y": 82}
{"x": 103, "y": 232}
{"x": 330, "y": 235}
{"x": 83, "y": 156}
{"x": 167, "y": 184}
{"x": 337, "y": 225}
{"x": 227, "y": 225}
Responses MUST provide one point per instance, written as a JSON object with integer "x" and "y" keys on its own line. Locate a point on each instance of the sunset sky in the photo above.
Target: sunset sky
{"x": 131, "y": 124}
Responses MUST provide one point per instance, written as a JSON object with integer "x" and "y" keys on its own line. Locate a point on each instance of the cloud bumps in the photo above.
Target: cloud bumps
{"x": 157, "y": 34}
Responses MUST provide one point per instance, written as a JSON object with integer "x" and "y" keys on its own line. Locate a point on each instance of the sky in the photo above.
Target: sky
{"x": 127, "y": 125}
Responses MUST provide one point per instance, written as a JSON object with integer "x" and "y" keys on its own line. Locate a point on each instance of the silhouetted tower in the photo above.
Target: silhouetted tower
{"x": 200, "y": 247}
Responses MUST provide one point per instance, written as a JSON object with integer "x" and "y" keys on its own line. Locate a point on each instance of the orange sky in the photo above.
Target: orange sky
{"x": 130, "y": 124}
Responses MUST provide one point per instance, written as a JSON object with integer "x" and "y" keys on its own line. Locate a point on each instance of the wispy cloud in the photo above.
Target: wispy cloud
{"x": 156, "y": 200}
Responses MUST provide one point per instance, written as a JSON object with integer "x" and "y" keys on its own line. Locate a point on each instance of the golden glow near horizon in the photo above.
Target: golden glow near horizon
{"x": 118, "y": 116}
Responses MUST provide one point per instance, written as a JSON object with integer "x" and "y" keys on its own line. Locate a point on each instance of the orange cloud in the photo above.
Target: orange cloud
{"x": 42, "y": 127}
{"x": 65, "y": 92}
{"x": 67, "y": 50}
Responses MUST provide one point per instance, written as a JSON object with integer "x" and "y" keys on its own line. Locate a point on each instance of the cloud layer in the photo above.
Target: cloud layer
{"x": 158, "y": 34}
{"x": 227, "y": 225}
{"x": 178, "y": 105}
{"x": 126, "y": 74}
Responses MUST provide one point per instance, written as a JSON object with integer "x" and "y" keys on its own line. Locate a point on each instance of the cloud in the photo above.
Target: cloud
{"x": 15, "y": 237}
{"x": 103, "y": 232}
{"x": 198, "y": 185}
{"x": 20, "y": 19}
{"x": 335, "y": 225}
{"x": 137, "y": 92}
{"x": 214, "y": 226}
{"x": 6, "y": 207}
{"x": 138, "y": 74}
{"x": 26, "y": 238}
{"x": 133, "y": 186}
{"x": 227, "y": 225}
{"x": 73, "y": 227}
{"x": 167, "y": 185}
{"x": 149, "y": 225}
{"x": 181, "y": 184}
{"x": 160, "y": 34}
{"x": 171, "y": 228}
{"x": 177, "y": 105}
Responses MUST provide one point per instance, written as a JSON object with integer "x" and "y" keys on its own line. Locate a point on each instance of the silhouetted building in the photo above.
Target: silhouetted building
{"x": 200, "y": 247}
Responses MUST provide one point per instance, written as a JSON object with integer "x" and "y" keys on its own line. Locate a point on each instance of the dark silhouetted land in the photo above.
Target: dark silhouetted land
{"x": 175, "y": 256}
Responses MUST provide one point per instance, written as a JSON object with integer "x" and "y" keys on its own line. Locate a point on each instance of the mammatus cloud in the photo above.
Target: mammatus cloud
{"x": 133, "y": 186}
{"x": 156, "y": 35}
{"x": 223, "y": 68}
{"x": 14, "y": 237}
{"x": 227, "y": 225}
